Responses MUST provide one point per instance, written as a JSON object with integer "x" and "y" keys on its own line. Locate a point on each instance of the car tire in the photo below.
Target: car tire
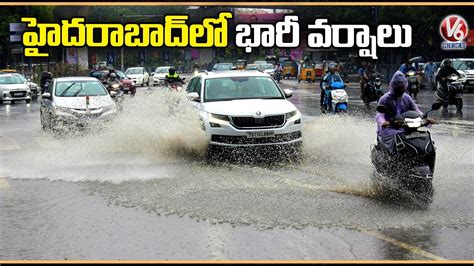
{"x": 12, "y": 102}
{"x": 1, "y": 101}
{"x": 28, "y": 101}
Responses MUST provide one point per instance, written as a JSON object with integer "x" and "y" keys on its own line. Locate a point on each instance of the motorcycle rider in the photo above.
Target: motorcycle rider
{"x": 362, "y": 81}
{"x": 46, "y": 76}
{"x": 405, "y": 67}
{"x": 430, "y": 69}
{"x": 172, "y": 76}
{"x": 396, "y": 102}
{"x": 366, "y": 76}
{"x": 326, "y": 82}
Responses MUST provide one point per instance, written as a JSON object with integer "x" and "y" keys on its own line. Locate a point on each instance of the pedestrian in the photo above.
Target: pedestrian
{"x": 430, "y": 68}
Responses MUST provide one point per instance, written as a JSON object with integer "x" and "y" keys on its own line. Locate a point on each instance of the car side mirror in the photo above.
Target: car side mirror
{"x": 193, "y": 96}
{"x": 113, "y": 94}
{"x": 46, "y": 96}
{"x": 288, "y": 93}
{"x": 29, "y": 80}
{"x": 152, "y": 73}
{"x": 183, "y": 78}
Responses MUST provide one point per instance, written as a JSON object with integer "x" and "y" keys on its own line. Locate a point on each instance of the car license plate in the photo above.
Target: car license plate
{"x": 471, "y": 81}
{"x": 413, "y": 86}
{"x": 260, "y": 134}
{"x": 458, "y": 95}
{"x": 18, "y": 94}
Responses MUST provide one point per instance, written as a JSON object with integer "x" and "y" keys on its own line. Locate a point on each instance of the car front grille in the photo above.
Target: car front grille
{"x": 245, "y": 140}
{"x": 18, "y": 94}
{"x": 252, "y": 122}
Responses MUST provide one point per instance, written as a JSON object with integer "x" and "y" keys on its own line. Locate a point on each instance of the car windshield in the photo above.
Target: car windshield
{"x": 223, "y": 66}
{"x": 464, "y": 64}
{"x": 22, "y": 78}
{"x": 251, "y": 67}
{"x": 236, "y": 88}
{"x": 266, "y": 66}
{"x": 161, "y": 70}
{"x": 121, "y": 74}
{"x": 134, "y": 71}
{"x": 80, "y": 88}
{"x": 10, "y": 80}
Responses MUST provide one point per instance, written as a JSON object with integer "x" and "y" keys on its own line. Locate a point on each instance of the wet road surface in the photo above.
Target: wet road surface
{"x": 142, "y": 190}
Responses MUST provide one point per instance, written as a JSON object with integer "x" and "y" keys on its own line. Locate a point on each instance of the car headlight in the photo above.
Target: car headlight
{"x": 133, "y": 84}
{"x": 110, "y": 108}
{"x": 216, "y": 120}
{"x": 291, "y": 114}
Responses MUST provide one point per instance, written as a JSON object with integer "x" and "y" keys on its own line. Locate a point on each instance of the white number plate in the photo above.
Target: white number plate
{"x": 260, "y": 134}
{"x": 18, "y": 94}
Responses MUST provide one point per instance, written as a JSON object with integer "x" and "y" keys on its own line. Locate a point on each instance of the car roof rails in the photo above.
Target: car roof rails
{"x": 204, "y": 71}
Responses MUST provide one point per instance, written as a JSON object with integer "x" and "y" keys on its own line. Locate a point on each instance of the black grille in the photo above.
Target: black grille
{"x": 18, "y": 94}
{"x": 252, "y": 122}
{"x": 245, "y": 140}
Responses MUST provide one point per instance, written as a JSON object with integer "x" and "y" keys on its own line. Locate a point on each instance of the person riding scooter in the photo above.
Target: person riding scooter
{"x": 395, "y": 102}
{"x": 173, "y": 77}
{"x": 326, "y": 83}
{"x": 113, "y": 83}
{"x": 444, "y": 95}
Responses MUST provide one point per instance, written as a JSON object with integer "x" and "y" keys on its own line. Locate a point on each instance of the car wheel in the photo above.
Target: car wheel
{"x": 12, "y": 102}
{"x": 1, "y": 101}
{"x": 28, "y": 101}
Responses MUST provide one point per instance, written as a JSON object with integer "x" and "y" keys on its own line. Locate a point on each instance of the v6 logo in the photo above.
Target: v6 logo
{"x": 454, "y": 28}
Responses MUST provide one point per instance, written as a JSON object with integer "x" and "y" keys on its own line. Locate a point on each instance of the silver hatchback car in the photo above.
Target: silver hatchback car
{"x": 77, "y": 102}
{"x": 12, "y": 89}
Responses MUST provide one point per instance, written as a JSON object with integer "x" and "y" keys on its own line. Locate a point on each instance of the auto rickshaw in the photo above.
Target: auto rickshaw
{"x": 308, "y": 72}
{"x": 241, "y": 64}
{"x": 319, "y": 70}
{"x": 289, "y": 69}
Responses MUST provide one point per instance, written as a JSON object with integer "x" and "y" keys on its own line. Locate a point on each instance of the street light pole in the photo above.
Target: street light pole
{"x": 121, "y": 48}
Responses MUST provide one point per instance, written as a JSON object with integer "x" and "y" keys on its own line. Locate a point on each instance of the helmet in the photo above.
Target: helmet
{"x": 448, "y": 62}
{"x": 171, "y": 70}
{"x": 113, "y": 76}
{"x": 370, "y": 66}
{"x": 332, "y": 66}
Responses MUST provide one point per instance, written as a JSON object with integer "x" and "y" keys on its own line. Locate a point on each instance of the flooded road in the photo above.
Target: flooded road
{"x": 142, "y": 188}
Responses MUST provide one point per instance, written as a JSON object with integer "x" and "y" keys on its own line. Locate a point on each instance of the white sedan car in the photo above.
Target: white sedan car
{"x": 245, "y": 108}
{"x": 139, "y": 75}
{"x": 160, "y": 74}
{"x": 76, "y": 102}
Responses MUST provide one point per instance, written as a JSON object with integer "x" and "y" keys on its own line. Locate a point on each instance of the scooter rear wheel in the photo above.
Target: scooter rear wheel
{"x": 459, "y": 104}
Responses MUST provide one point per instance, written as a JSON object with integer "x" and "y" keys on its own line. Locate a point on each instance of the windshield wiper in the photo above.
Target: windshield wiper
{"x": 78, "y": 91}
{"x": 65, "y": 91}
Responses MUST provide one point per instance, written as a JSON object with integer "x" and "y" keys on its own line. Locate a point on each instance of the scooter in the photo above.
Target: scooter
{"x": 45, "y": 86}
{"x": 406, "y": 161}
{"x": 175, "y": 85}
{"x": 373, "y": 90}
{"x": 278, "y": 75}
{"x": 453, "y": 96}
{"x": 413, "y": 83}
{"x": 336, "y": 98}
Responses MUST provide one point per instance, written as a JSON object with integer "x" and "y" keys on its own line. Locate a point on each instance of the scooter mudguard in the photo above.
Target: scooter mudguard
{"x": 341, "y": 107}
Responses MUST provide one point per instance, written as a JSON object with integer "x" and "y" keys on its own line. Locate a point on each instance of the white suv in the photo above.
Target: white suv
{"x": 244, "y": 108}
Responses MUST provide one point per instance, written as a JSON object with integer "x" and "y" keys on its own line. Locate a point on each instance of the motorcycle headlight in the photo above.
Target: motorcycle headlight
{"x": 216, "y": 120}
{"x": 115, "y": 86}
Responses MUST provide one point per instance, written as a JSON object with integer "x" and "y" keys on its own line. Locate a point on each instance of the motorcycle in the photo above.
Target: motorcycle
{"x": 45, "y": 85}
{"x": 408, "y": 163}
{"x": 175, "y": 85}
{"x": 336, "y": 97}
{"x": 413, "y": 83}
{"x": 117, "y": 87}
{"x": 453, "y": 95}
{"x": 278, "y": 75}
{"x": 373, "y": 90}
